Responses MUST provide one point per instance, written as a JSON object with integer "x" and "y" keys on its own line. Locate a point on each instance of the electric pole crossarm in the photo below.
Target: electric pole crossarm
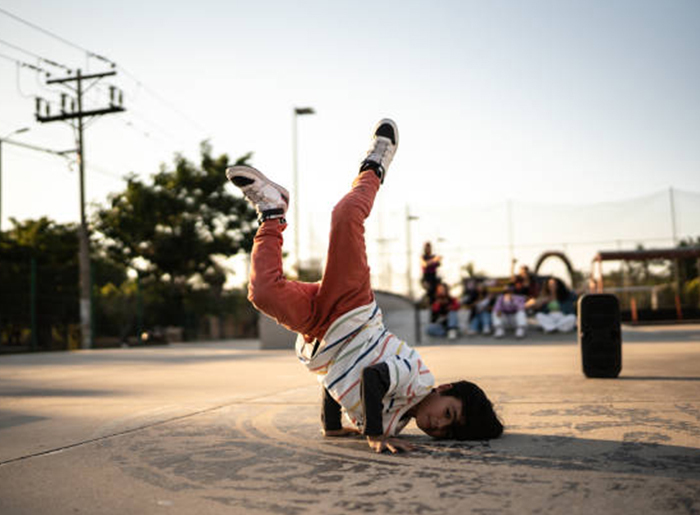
{"x": 83, "y": 77}
{"x": 82, "y": 114}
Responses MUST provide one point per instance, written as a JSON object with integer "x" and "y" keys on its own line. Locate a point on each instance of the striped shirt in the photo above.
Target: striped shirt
{"x": 355, "y": 341}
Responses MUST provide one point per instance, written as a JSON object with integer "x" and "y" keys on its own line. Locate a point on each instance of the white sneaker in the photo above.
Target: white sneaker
{"x": 486, "y": 331}
{"x": 381, "y": 151}
{"x": 269, "y": 199}
{"x": 452, "y": 334}
{"x": 499, "y": 333}
{"x": 520, "y": 332}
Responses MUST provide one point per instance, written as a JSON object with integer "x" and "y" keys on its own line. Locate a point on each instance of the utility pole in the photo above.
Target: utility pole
{"x": 677, "y": 262}
{"x": 69, "y": 112}
{"x": 511, "y": 246}
{"x": 298, "y": 111}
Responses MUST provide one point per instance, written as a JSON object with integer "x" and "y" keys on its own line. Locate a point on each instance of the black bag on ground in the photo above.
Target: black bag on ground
{"x": 599, "y": 335}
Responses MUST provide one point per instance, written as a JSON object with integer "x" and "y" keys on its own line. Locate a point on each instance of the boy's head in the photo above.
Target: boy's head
{"x": 459, "y": 411}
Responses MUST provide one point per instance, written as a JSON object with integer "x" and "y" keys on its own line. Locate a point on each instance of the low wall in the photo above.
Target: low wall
{"x": 399, "y": 317}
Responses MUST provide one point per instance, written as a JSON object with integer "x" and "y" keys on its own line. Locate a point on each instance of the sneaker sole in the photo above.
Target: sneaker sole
{"x": 258, "y": 175}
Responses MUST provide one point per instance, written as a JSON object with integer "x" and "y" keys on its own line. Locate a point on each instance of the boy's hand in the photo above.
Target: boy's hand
{"x": 380, "y": 443}
{"x": 344, "y": 431}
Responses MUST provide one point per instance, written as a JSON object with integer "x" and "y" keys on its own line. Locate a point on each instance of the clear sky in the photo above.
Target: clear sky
{"x": 557, "y": 101}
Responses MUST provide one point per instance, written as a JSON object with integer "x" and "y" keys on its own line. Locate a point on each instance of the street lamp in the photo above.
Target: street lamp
{"x": 298, "y": 111}
{"x": 409, "y": 251}
{"x": 18, "y": 131}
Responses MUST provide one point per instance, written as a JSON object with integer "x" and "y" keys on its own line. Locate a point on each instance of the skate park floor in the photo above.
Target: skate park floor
{"x": 225, "y": 427}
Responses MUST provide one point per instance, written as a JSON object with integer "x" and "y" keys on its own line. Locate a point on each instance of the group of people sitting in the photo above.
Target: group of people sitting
{"x": 485, "y": 309}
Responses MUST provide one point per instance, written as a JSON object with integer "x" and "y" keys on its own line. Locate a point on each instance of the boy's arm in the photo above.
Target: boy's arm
{"x": 373, "y": 387}
{"x": 330, "y": 414}
{"x": 331, "y": 418}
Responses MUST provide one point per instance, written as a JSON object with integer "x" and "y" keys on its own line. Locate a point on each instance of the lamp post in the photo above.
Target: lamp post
{"x": 298, "y": 111}
{"x": 409, "y": 251}
{"x": 18, "y": 131}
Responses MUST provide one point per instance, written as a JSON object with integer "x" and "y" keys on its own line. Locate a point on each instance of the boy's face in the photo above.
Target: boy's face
{"x": 437, "y": 413}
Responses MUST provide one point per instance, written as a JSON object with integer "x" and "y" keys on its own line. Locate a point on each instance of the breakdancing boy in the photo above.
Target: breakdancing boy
{"x": 375, "y": 378}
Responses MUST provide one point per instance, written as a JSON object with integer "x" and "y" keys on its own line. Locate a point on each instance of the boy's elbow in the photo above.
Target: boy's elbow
{"x": 259, "y": 297}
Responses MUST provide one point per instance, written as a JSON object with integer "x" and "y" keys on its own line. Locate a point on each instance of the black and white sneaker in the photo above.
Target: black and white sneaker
{"x": 383, "y": 147}
{"x": 269, "y": 199}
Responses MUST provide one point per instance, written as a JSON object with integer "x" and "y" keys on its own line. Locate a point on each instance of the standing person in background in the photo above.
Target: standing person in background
{"x": 525, "y": 282}
{"x": 443, "y": 314}
{"x": 429, "y": 263}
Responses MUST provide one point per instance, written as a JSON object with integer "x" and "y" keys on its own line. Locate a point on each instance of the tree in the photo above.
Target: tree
{"x": 174, "y": 231}
{"x": 44, "y": 253}
{"x": 175, "y": 228}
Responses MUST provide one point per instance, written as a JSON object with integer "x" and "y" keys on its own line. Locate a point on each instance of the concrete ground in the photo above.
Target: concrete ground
{"x": 227, "y": 428}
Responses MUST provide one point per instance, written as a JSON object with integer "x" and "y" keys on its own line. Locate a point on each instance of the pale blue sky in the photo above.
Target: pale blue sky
{"x": 552, "y": 101}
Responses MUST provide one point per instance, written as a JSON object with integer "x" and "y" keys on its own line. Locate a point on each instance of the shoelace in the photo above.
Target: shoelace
{"x": 256, "y": 196}
{"x": 380, "y": 147}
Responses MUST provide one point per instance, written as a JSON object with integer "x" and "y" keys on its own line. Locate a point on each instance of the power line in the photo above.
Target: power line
{"x": 135, "y": 113}
{"x": 23, "y": 64}
{"x": 61, "y": 153}
{"x": 89, "y": 53}
{"x": 36, "y": 56}
{"x": 140, "y": 83}
{"x": 161, "y": 99}
{"x": 57, "y": 37}
{"x": 97, "y": 168}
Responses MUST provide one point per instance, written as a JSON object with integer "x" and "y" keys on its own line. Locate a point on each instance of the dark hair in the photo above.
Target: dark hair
{"x": 479, "y": 421}
{"x": 562, "y": 292}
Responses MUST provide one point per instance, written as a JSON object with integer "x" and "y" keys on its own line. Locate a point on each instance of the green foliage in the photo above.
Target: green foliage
{"x": 692, "y": 292}
{"x": 173, "y": 230}
{"x": 174, "y": 227}
{"x": 53, "y": 248}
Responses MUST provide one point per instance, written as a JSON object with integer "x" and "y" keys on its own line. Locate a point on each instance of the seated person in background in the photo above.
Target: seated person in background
{"x": 443, "y": 314}
{"x": 555, "y": 307}
{"x": 429, "y": 263}
{"x": 509, "y": 312}
{"x": 481, "y": 305}
{"x": 467, "y": 300}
